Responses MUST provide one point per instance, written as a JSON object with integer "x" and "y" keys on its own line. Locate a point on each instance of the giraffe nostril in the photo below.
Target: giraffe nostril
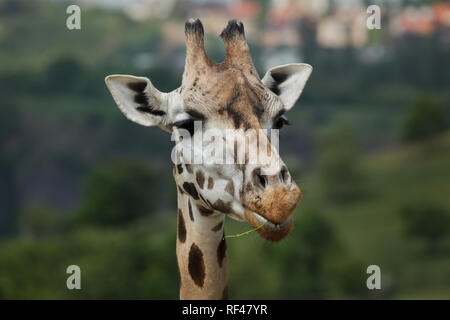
{"x": 284, "y": 175}
{"x": 260, "y": 179}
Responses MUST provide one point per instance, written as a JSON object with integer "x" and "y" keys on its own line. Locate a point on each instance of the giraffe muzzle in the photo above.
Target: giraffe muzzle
{"x": 274, "y": 207}
{"x": 269, "y": 230}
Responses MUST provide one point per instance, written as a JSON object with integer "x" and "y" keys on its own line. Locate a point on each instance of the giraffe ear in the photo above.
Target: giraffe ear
{"x": 138, "y": 99}
{"x": 287, "y": 81}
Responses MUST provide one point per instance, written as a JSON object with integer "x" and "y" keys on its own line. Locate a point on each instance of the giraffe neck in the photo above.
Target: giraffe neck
{"x": 201, "y": 252}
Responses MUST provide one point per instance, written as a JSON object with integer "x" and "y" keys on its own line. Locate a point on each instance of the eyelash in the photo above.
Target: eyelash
{"x": 280, "y": 122}
{"x": 186, "y": 125}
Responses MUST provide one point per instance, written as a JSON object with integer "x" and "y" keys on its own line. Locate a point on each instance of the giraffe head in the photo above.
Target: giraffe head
{"x": 216, "y": 101}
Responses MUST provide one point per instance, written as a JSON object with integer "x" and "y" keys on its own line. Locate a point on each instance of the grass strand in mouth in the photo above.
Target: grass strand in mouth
{"x": 246, "y": 232}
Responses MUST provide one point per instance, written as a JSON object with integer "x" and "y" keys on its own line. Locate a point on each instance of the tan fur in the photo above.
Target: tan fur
{"x": 209, "y": 87}
{"x": 276, "y": 203}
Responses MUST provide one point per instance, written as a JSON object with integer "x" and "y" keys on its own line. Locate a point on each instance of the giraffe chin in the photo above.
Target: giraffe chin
{"x": 270, "y": 231}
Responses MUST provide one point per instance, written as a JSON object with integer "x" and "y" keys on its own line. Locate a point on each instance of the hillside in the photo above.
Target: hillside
{"x": 371, "y": 230}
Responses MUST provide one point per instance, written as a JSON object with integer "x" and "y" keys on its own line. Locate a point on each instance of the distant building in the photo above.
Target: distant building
{"x": 332, "y": 33}
{"x": 345, "y": 26}
{"x": 442, "y": 13}
{"x": 413, "y": 20}
{"x": 145, "y": 9}
{"x": 245, "y": 9}
{"x": 338, "y": 23}
{"x": 313, "y": 10}
{"x": 283, "y": 13}
{"x": 172, "y": 34}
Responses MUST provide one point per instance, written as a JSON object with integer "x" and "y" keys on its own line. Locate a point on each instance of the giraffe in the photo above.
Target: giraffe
{"x": 226, "y": 95}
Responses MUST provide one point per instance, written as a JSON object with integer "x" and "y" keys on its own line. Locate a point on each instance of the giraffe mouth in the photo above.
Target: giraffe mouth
{"x": 270, "y": 230}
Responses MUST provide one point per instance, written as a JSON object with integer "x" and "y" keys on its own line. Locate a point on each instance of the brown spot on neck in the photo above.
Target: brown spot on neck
{"x": 204, "y": 211}
{"x": 225, "y": 293}
{"x": 221, "y": 206}
{"x": 181, "y": 227}
{"x": 196, "y": 265}
{"x": 218, "y": 227}
{"x": 191, "y": 214}
{"x": 221, "y": 251}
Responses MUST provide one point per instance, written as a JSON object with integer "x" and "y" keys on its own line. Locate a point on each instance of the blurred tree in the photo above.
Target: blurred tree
{"x": 16, "y": 7}
{"x": 39, "y": 220}
{"x": 10, "y": 151}
{"x": 423, "y": 120}
{"x": 427, "y": 222}
{"x": 118, "y": 192}
{"x": 163, "y": 77}
{"x": 64, "y": 74}
{"x": 115, "y": 264}
{"x": 339, "y": 165}
{"x": 314, "y": 264}
{"x": 317, "y": 239}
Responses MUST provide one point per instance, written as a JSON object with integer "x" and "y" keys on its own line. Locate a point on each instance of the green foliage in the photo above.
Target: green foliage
{"x": 114, "y": 265}
{"x": 63, "y": 74}
{"x": 374, "y": 229}
{"x": 427, "y": 222}
{"x": 11, "y": 148}
{"x": 329, "y": 269}
{"x": 310, "y": 263}
{"x": 423, "y": 120}
{"x": 338, "y": 164}
{"x": 117, "y": 193}
{"x": 38, "y": 220}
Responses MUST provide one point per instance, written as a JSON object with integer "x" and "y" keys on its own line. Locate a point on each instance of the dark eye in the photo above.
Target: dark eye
{"x": 186, "y": 125}
{"x": 280, "y": 122}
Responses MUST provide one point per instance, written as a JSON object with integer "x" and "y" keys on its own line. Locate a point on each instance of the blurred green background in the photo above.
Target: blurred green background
{"x": 369, "y": 145}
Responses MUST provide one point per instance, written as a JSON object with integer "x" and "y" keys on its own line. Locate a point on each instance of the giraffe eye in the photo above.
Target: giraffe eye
{"x": 280, "y": 122}
{"x": 186, "y": 125}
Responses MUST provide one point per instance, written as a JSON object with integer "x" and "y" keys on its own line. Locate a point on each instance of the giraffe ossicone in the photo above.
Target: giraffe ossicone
{"x": 223, "y": 96}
